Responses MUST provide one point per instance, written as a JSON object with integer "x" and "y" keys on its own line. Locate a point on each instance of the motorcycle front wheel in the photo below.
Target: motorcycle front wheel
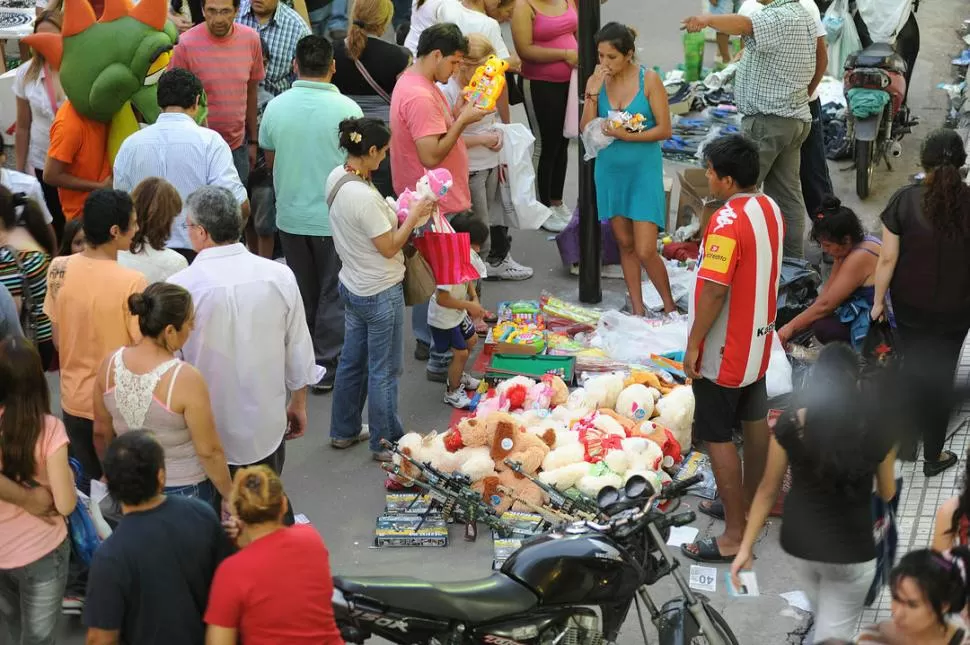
{"x": 723, "y": 629}
{"x": 864, "y": 162}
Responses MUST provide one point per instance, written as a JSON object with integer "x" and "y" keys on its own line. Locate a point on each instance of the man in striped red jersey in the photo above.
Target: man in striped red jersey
{"x": 732, "y": 324}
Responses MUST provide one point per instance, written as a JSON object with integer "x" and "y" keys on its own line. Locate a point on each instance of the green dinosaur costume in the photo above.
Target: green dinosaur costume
{"x": 109, "y": 67}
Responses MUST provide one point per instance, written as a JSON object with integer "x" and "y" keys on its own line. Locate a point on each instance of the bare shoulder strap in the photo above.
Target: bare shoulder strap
{"x": 171, "y": 385}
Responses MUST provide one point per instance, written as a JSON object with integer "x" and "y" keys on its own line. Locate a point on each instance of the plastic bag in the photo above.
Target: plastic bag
{"x": 522, "y": 210}
{"x": 884, "y": 18}
{"x": 631, "y": 339}
{"x": 594, "y": 139}
{"x": 570, "y": 128}
{"x": 778, "y": 380}
{"x": 842, "y": 37}
{"x": 85, "y": 534}
{"x": 681, "y": 286}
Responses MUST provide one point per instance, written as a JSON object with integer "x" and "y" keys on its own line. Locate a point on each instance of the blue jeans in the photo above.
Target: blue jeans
{"x": 438, "y": 363}
{"x": 329, "y": 17}
{"x": 204, "y": 491}
{"x": 30, "y": 597}
{"x": 370, "y": 365}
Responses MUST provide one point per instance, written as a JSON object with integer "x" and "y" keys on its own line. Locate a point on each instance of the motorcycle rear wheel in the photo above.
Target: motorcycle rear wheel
{"x": 864, "y": 163}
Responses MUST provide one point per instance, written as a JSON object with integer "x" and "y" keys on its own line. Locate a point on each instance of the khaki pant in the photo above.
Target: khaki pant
{"x": 780, "y": 144}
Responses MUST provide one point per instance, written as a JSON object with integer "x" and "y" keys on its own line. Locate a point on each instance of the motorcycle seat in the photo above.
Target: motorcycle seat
{"x": 879, "y": 56}
{"x": 471, "y": 601}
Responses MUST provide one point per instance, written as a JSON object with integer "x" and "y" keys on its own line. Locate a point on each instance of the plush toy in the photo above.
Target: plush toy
{"x": 434, "y": 185}
{"x": 560, "y": 391}
{"x": 487, "y": 83}
{"x": 650, "y": 379}
{"x": 676, "y": 413}
{"x": 604, "y": 388}
{"x": 664, "y": 438}
{"x": 516, "y": 390}
{"x": 635, "y": 402}
{"x": 628, "y": 426}
{"x": 492, "y": 402}
{"x": 539, "y": 397}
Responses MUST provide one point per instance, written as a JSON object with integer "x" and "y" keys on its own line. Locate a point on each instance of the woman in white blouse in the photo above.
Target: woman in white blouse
{"x": 157, "y": 204}
{"x": 38, "y": 90}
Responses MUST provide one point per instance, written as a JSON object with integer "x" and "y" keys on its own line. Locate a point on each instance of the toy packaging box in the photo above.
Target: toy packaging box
{"x": 395, "y": 530}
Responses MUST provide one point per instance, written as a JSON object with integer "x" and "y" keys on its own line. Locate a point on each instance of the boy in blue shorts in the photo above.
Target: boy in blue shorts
{"x": 719, "y": 8}
{"x": 450, "y": 314}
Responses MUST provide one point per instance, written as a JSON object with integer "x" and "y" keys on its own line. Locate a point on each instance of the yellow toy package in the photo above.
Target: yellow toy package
{"x": 487, "y": 83}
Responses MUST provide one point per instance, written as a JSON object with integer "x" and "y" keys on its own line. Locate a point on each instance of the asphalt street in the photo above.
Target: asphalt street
{"x": 341, "y": 492}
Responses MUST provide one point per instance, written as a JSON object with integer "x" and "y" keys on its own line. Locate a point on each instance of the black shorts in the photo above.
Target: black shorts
{"x": 719, "y": 409}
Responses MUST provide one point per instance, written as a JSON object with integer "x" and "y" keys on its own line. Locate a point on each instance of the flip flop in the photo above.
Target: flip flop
{"x": 707, "y": 551}
{"x": 713, "y": 508}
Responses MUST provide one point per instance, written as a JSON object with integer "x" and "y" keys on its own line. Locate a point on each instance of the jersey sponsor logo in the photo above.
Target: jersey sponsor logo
{"x": 725, "y": 216}
{"x": 718, "y": 253}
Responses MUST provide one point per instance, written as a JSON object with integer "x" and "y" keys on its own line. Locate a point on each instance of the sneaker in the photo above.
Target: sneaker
{"x": 422, "y": 351}
{"x": 72, "y": 605}
{"x": 436, "y": 377}
{"x": 469, "y": 382}
{"x": 558, "y": 220}
{"x": 458, "y": 399}
{"x": 324, "y": 385}
{"x": 382, "y": 456}
{"x": 508, "y": 269}
{"x": 343, "y": 444}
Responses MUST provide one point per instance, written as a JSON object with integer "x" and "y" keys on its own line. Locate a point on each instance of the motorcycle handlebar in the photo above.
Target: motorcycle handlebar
{"x": 679, "y": 488}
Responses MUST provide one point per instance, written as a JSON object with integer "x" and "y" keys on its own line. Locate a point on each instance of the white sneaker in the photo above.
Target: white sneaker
{"x": 559, "y": 219}
{"x": 458, "y": 399}
{"x": 469, "y": 382}
{"x": 508, "y": 269}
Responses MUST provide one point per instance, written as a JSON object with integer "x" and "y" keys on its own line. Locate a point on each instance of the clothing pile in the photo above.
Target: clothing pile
{"x": 838, "y": 143}
{"x": 690, "y": 135}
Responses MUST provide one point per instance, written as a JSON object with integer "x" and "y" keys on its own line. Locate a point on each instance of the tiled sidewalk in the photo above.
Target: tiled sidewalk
{"x": 921, "y": 497}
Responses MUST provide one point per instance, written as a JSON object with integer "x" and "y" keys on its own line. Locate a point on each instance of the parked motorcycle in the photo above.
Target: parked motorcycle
{"x": 877, "y": 67}
{"x": 546, "y": 590}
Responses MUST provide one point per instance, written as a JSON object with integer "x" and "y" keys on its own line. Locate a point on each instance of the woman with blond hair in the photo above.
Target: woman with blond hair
{"x": 249, "y": 600}
{"x": 37, "y": 87}
{"x": 157, "y": 204}
{"x": 368, "y": 67}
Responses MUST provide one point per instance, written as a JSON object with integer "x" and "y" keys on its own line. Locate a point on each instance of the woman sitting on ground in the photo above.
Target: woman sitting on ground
{"x": 841, "y": 311}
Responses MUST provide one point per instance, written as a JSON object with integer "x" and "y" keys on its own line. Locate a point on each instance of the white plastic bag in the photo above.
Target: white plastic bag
{"x": 884, "y": 18}
{"x": 594, "y": 139}
{"x": 842, "y": 37}
{"x": 631, "y": 339}
{"x": 681, "y": 286}
{"x": 522, "y": 210}
{"x": 778, "y": 379}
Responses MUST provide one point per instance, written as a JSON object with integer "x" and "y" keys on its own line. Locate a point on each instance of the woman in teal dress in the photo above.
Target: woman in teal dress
{"x": 629, "y": 171}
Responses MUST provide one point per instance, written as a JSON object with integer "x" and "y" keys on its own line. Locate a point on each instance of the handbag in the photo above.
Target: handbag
{"x": 419, "y": 284}
{"x": 886, "y": 536}
{"x": 28, "y": 320}
{"x": 449, "y": 254}
{"x": 370, "y": 81}
{"x": 570, "y": 129}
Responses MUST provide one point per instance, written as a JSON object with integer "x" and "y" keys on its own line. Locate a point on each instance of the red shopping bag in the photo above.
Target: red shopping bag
{"x": 448, "y": 253}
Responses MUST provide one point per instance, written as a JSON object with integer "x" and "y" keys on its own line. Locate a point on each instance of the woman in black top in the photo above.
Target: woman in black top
{"x": 835, "y": 449}
{"x": 368, "y": 67}
{"x": 923, "y": 266}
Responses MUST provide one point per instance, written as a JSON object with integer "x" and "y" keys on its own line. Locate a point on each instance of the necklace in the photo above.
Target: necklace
{"x": 359, "y": 173}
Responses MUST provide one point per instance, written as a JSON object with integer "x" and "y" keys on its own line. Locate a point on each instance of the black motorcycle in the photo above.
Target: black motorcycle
{"x": 546, "y": 592}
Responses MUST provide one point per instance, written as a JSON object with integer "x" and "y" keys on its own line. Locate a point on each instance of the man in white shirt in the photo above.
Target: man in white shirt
{"x": 251, "y": 341}
{"x": 180, "y": 151}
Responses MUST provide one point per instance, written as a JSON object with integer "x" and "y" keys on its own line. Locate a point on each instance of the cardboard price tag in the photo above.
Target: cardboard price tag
{"x": 703, "y": 578}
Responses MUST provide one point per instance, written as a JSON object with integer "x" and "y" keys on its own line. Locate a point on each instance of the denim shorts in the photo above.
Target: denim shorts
{"x": 454, "y": 338}
{"x": 204, "y": 491}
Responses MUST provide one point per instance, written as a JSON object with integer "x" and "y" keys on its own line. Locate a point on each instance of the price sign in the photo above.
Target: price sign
{"x": 703, "y": 578}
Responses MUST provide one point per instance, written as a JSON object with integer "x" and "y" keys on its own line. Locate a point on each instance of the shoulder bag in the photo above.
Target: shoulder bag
{"x": 28, "y": 319}
{"x": 370, "y": 81}
{"x": 419, "y": 284}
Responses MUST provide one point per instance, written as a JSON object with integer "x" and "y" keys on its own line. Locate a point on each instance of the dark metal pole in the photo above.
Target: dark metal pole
{"x": 590, "y": 289}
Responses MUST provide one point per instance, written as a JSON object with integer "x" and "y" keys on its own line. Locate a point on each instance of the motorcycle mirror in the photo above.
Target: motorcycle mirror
{"x": 637, "y": 487}
{"x": 607, "y": 496}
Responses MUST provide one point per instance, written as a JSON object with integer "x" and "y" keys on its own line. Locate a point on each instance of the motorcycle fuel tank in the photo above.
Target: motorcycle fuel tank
{"x": 573, "y": 569}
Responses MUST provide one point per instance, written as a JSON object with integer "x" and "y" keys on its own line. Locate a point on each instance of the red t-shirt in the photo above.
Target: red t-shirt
{"x": 742, "y": 249}
{"x": 419, "y": 109}
{"x": 277, "y": 590}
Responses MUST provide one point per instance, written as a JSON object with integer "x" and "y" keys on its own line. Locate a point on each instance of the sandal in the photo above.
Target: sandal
{"x": 707, "y": 551}
{"x": 713, "y": 508}
{"x": 934, "y": 468}
{"x": 491, "y": 317}
{"x": 481, "y": 328}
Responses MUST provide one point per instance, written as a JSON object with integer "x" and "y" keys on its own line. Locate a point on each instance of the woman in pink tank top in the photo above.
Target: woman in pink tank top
{"x": 544, "y": 32}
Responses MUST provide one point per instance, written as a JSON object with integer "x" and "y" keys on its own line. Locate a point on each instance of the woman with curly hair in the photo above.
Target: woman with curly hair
{"x": 157, "y": 204}
{"x": 923, "y": 267}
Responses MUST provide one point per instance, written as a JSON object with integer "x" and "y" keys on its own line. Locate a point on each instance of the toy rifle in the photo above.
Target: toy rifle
{"x": 580, "y": 507}
{"x": 452, "y": 499}
{"x": 550, "y": 515}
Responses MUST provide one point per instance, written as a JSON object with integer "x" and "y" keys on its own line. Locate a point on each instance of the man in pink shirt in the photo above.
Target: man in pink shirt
{"x": 424, "y": 134}
{"x": 228, "y": 59}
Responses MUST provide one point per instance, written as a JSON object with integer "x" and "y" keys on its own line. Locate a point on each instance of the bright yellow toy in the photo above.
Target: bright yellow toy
{"x": 487, "y": 83}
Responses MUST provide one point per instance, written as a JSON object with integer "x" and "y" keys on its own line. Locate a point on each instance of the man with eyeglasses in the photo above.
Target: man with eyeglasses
{"x": 228, "y": 58}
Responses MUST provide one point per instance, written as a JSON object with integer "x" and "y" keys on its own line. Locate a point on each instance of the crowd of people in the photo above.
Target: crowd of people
{"x": 305, "y": 137}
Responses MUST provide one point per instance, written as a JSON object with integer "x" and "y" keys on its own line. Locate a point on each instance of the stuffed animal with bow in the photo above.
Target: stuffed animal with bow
{"x": 433, "y": 186}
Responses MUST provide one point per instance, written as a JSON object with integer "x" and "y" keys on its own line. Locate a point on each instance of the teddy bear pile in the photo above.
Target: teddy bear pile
{"x": 614, "y": 427}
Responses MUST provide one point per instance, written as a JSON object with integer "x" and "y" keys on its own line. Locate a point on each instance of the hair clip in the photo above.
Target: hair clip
{"x": 355, "y": 137}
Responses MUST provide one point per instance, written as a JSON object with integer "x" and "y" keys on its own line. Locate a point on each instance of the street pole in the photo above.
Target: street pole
{"x": 590, "y": 289}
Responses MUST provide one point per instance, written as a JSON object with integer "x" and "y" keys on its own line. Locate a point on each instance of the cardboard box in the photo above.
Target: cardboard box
{"x": 695, "y": 198}
{"x": 404, "y": 529}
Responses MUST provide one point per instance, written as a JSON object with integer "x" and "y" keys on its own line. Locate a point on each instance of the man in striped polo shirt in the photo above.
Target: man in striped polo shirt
{"x": 228, "y": 58}
{"x": 732, "y": 324}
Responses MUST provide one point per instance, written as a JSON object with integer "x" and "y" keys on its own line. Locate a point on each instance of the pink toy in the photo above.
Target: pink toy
{"x": 434, "y": 185}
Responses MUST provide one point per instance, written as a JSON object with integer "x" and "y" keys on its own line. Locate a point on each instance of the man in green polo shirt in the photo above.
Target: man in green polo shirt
{"x": 299, "y": 135}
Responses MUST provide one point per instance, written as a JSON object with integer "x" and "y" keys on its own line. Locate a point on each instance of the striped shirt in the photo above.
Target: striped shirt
{"x": 34, "y": 265}
{"x": 281, "y": 32}
{"x": 225, "y": 66}
{"x": 183, "y": 153}
{"x": 742, "y": 250}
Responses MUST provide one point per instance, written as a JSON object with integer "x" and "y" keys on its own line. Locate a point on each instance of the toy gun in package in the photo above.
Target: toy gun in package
{"x": 487, "y": 84}
{"x": 453, "y": 492}
{"x": 580, "y": 507}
